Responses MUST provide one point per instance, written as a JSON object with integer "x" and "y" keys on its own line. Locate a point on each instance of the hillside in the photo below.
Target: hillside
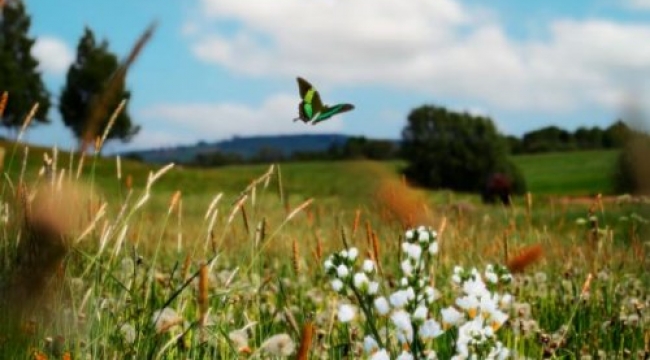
{"x": 245, "y": 147}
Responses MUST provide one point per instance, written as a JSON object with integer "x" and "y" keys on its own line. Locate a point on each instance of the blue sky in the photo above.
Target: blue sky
{"x": 218, "y": 68}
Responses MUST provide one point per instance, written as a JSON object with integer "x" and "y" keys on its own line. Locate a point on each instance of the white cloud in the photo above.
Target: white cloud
{"x": 440, "y": 47}
{"x": 224, "y": 120}
{"x": 53, "y": 54}
{"x": 638, "y": 4}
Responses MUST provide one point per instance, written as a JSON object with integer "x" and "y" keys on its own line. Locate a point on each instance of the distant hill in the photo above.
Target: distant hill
{"x": 247, "y": 147}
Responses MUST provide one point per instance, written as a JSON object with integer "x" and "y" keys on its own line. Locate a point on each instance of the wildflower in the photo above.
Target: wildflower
{"x": 360, "y": 281}
{"x": 337, "y": 285}
{"x": 342, "y": 271}
{"x": 469, "y": 304}
{"x": 420, "y": 313}
{"x": 279, "y": 345}
{"x": 370, "y": 345}
{"x": 409, "y": 234}
{"x": 407, "y": 268}
{"x": 373, "y": 287}
{"x": 413, "y": 251}
{"x": 346, "y": 313}
{"x": 399, "y": 298}
{"x": 405, "y": 355}
{"x": 430, "y": 329}
{"x": 402, "y": 321}
{"x": 381, "y": 304}
{"x": 380, "y": 355}
{"x": 451, "y": 316}
{"x": 368, "y": 266}
{"x": 433, "y": 248}
{"x": 328, "y": 264}
{"x": 352, "y": 254}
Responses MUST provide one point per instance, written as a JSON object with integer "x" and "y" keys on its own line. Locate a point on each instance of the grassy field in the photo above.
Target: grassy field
{"x": 247, "y": 262}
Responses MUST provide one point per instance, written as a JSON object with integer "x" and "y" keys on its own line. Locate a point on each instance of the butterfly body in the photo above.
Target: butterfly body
{"x": 311, "y": 108}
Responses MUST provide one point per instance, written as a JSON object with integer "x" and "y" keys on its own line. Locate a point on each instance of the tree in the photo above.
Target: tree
{"x": 19, "y": 75}
{"x": 458, "y": 151}
{"x": 87, "y": 79}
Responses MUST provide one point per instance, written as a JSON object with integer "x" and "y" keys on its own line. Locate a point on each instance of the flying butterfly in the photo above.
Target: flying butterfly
{"x": 311, "y": 108}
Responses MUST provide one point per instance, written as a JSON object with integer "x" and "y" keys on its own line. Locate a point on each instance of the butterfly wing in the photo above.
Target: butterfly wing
{"x": 303, "y": 87}
{"x": 329, "y": 111}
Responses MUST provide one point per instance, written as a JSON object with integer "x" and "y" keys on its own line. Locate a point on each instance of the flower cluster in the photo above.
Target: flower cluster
{"x": 411, "y": 315}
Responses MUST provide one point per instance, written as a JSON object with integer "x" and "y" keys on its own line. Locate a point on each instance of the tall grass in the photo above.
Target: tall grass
{"x": 120, "y": 271}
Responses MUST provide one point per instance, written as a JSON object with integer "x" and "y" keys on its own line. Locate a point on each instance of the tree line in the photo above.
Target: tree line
{"x": 93, "y": 89}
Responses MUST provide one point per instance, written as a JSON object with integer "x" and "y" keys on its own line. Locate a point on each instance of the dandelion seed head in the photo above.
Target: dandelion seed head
{"x": 279, "y": 345}
{"x": 368, "y": 266}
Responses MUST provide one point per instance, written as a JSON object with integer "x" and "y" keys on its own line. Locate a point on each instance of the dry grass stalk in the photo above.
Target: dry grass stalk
{"x": 4, "y": 99}
{"x": 525, "y": 258}
{"x": 295, "y": 257}
{"x": 100, "y": 102}
{"x": 203, "y": 295}
{"x": 355, "y": 225}
{"x": 319, "y": 248}
{"x": 375, "y": 252}
{"x": 300, "y": 207}
{"x": 305, "y": 340}
{"x": 173, "y": 203}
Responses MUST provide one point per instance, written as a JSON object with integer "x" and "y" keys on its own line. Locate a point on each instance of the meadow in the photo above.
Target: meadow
{"x": 108, "y": 259}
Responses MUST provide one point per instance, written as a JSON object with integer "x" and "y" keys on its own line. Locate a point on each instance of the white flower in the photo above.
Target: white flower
{"x": 353, "y": 253}
{"x": 346, "y": 313}
{"x": 420, "y": 313}
{"x": 368, "y": 266}
{"x": 491, "y": 277}
{"x": 405, "y": 355}
{"x": 451, "y": 316}
{"x": 360, "y": 280}
{"x": 431, "y": 293}
{"x": 412, "y": 250}
{"x": 279, "y": 345}
{"x": 382, "y": 305}
{"x": 423, "y": 236}
{"x": 337, "y": 285}
{"x": 342, "y": 271}
{"x": 497, "y": 318}
{"x": 380, "y": 355}
{"x": 506, "y": 300}
{"x": 475, "y": 287}
{"x": 433, "y": 248}
{"x": 328, "y": 264}
{"x": 402, "y": 321}
{"x": 430, "y": 329}
{"x": 409, "y": 234}
{"x": 399, "y": 298}
{"x": 370, "y": 345}
{"x": 373, "y": 287}
{"x": 469, "y": 304}
{"x": 407, "y": 267}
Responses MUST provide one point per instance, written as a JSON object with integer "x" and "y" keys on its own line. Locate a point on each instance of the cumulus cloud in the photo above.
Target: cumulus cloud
{"x": 224, "y": 120}
{"x": 53, "y": 54}
{"x": 441, "y": 47}
{"x": 638, "y": 4}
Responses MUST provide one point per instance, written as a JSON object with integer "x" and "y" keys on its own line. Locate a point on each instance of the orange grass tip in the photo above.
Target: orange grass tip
{"x": 203, "y": 291}
{"x": 586, "y": 286}
{"x": 5, "y": 95}
{"x": 305, "y": 341}
{"x": 173, "y": 203}
{"x": 526, "y": 257}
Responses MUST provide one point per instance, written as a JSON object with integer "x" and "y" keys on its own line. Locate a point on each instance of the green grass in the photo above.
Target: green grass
{"x": 130, "y": 266}
{"x": 569, "y": 173}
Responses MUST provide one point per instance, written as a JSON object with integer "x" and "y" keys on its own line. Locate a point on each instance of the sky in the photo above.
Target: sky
{"x": 221, "y": 68}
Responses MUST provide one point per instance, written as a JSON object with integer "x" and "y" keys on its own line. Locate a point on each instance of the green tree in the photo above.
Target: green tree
{"x": 87, "y": 79}
{"x": 19, "y": 75}
{"x": 458, "y": 151}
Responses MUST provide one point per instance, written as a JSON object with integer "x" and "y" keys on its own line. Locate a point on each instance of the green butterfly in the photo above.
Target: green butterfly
{"x": 311, "y": 108}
